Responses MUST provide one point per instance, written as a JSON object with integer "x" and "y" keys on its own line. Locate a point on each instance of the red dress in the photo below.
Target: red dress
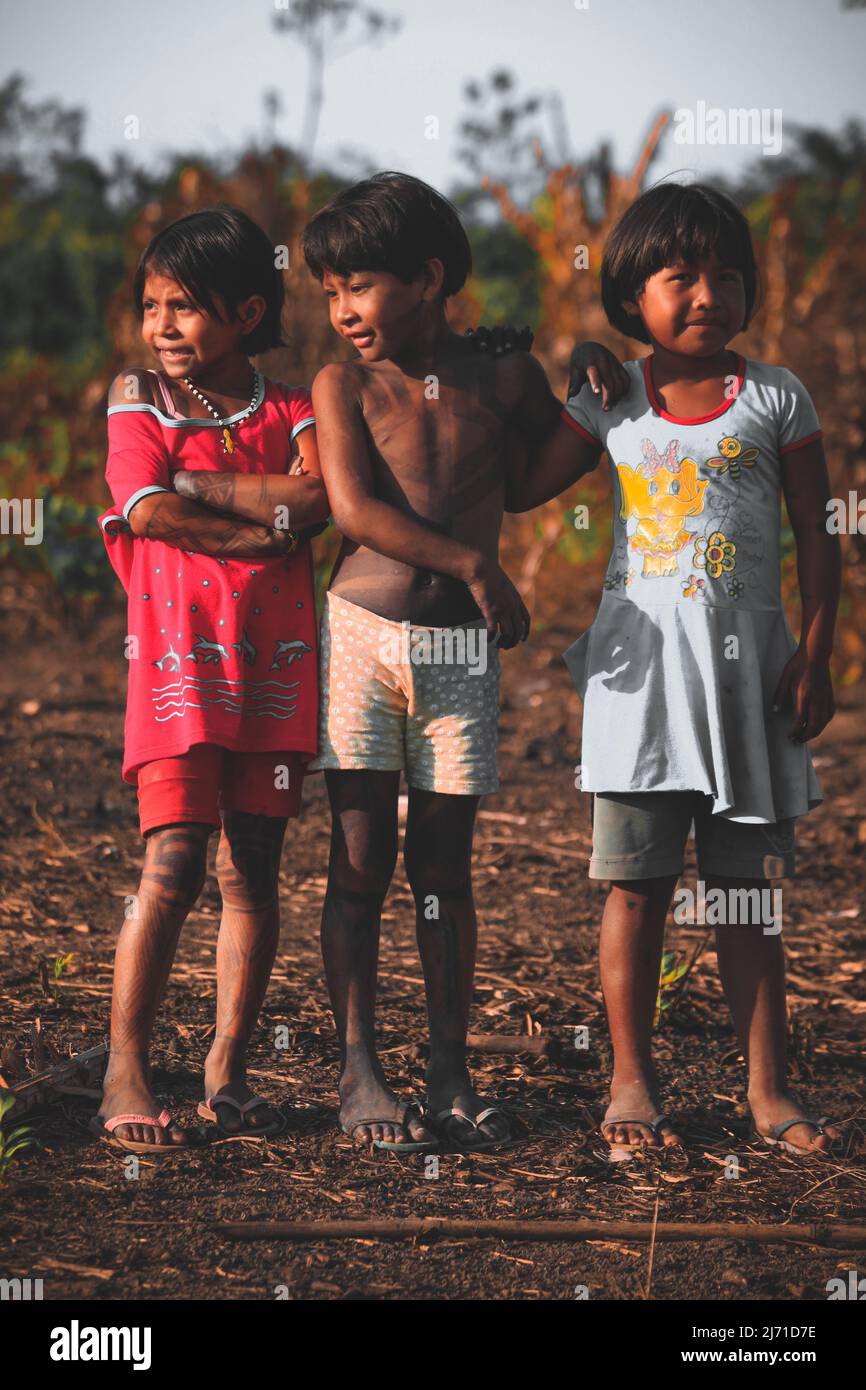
{"x": 221, "y": 651}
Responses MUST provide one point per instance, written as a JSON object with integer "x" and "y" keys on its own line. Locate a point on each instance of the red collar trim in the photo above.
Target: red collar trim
{"x": 697, "y": 419}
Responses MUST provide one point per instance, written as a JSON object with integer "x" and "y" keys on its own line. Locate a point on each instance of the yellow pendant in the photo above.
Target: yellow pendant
{"x": 229, "y": 443}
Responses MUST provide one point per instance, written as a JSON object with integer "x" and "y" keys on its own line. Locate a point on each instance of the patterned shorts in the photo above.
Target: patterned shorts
{"x": 397, "y": 695}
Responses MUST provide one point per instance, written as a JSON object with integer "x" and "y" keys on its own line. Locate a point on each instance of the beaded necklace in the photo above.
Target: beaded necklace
{"x": 223, "y": 421}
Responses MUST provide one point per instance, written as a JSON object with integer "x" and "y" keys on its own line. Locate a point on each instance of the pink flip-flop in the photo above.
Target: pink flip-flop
{"x": 207, "y": 1112}
{"x": 104, "y": 1130}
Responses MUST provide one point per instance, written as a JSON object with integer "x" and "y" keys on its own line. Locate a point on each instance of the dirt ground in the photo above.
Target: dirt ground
{"x": 69, "y": 853}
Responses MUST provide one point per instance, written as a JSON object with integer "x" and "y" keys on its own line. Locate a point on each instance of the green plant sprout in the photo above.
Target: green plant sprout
{"x": 22, "y": 1137}
{"x": 674, "y": 972}
{"x": 50, "y": 973}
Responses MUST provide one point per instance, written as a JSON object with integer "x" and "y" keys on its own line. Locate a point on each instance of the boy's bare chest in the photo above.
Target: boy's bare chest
{"x": 432, "y": 429}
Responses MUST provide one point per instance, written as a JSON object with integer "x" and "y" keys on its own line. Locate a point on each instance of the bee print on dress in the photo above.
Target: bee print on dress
{"x": 661, "y": 494}
{"x": 733, "y": 458}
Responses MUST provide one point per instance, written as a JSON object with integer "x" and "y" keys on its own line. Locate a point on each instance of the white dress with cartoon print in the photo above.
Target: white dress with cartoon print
{"x": 678, "y": 671}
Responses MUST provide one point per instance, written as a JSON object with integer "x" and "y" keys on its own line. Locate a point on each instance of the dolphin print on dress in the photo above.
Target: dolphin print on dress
{"x": 208, "y": 651}
{"x": 292, "y": 651}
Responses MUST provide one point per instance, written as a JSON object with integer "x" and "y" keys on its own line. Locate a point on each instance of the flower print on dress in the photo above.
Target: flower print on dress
{"x": 661, "y": 494}
{"x": 736, "y": 588}
{"x": 693, "y": 587}
{"x": 715, "y": 554}
{"x": 733, "y": 457}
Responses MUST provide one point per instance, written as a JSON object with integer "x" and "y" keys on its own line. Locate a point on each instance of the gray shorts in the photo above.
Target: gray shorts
{"x": 644, "y": 834}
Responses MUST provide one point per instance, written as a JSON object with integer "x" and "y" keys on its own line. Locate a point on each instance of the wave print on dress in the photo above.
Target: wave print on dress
{"x": 250, "y": 699}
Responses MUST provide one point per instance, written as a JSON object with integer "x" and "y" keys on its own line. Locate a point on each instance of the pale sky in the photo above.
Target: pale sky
{"x": 193, "y": 72}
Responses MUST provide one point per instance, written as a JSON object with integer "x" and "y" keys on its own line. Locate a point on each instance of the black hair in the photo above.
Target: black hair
{"x": 669, "y": 223}
{"x": 390, "y": 222}
{"x": 219, "y": 251}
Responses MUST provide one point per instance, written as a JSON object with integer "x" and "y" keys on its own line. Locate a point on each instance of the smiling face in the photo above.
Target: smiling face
{"x": 186, "y": 339}
{"x": 378, "y": 313}
{"x": 693, "y": 310}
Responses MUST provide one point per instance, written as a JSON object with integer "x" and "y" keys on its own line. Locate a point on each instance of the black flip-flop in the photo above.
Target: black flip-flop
{"x": 411, "y": 1146}
{"x": 774, "y": 1138}
{"x": 454, "y": 1112}
{"x": 207, "y": 1112}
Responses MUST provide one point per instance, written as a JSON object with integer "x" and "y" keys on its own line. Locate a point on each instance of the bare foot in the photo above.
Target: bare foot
{"x": 128, "y": 1095}
{"x": 772, "y": 1109}
{"x": 370, "y": 1110}
{"x": 636, "y": 1102}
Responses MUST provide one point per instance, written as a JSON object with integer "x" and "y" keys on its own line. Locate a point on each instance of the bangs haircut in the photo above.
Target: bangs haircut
{"x": 391, "y": 222}
{"x": 219, "y": 252}
{"x": 669, "y": 223}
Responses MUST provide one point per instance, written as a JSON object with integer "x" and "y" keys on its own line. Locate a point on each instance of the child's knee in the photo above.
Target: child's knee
{"x": 643, "y": 892}
{"x": 248, "y": 865}
{"x": 363, "y": 876}
{"x": 175, "y": 864}
{"x": 430, "y": 875}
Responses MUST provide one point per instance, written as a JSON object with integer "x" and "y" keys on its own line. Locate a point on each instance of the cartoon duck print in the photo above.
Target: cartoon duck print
{"x": 733, "y": 457}
{"x": 661, "y": 494}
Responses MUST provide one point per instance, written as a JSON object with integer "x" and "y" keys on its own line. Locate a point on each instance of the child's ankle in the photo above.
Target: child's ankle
{"x": 635, "y": 1075}
{"x": 128, "y": 1066}
{"x": 766, "y": 1088}
{"x": 227, "y": 1054}
{"x": 447, "y": 1059}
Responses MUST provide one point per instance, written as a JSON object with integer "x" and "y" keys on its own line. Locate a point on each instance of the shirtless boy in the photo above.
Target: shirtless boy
{"x": 413, "y": 437}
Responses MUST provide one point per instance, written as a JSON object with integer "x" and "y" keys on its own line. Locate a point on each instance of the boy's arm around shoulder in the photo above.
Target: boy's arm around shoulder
{"x": 347, "y": 471}
{"x": 552, "y": 450}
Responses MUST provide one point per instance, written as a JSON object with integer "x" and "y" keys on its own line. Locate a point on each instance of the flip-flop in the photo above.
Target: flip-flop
{"x": 621, "y": 1152}
{"x": 411, "y": 1146}
{"x": 207, "y": 1112}
{"x": 774, "y": 1138}
{"x": 475, "y": 1122}
{"x": 104, "y": 1130}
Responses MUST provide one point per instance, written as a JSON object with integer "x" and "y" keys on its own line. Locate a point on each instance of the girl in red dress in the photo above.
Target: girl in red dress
{"x": 216, "y": 485}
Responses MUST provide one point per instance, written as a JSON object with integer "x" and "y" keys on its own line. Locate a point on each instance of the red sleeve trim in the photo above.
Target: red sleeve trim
{"x": 798, "y": 443}
{"x": 300, "y": 404}
{"x": 578, "y": 429}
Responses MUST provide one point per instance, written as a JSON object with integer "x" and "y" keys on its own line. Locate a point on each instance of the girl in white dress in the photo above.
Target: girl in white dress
{"x": 698, "y": 702}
